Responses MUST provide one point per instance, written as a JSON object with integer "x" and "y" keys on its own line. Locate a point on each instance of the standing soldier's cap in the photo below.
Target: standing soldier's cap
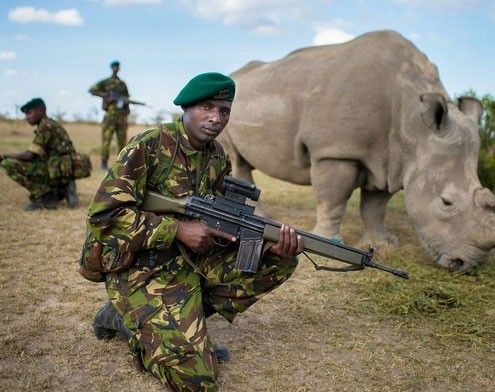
{"x": 210, "y": 85}
{"x": 114, "y": 64}
{"x": 34, "y": 103}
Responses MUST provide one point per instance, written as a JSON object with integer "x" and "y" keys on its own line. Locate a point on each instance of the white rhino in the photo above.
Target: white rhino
{"x": 370, "y": 113}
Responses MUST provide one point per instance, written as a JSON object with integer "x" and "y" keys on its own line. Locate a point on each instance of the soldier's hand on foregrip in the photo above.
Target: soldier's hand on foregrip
{"x": 289, "y": 244}
{"x": 199, "y": 237}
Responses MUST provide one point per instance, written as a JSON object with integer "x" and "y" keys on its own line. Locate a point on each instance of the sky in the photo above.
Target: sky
{"x": 57, "y": 49}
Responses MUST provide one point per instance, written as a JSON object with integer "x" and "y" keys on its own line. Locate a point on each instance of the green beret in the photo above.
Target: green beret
{"x": 210, "y": 85}
{"x": 34, "y": 103}
{"x": 114, "y": 64}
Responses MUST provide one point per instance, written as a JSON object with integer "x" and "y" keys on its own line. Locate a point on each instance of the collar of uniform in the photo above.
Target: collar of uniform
{"x": 42, "y": 123}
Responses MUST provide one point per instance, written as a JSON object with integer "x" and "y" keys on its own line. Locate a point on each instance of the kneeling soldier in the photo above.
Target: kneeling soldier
{"x": 177, "y": 275}
{"x": 45, "y": 168}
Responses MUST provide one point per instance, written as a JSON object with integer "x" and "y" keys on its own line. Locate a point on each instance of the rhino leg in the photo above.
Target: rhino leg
{"x": 333, "y": 181}
{"x": 373, "y": 206}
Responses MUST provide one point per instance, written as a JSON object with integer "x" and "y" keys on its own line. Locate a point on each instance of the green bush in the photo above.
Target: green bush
{"x": 486, "y": 127}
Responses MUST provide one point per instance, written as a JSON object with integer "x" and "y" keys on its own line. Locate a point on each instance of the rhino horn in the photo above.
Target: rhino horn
{"x": 471, "y": 107}
{"x": 435, "y": 114}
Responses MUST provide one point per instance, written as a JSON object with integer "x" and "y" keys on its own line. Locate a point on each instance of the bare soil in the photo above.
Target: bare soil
{"x": 321, "y": 331}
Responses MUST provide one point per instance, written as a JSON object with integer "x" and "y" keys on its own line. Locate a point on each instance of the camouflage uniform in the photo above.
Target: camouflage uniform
{"x": 166, "y": 306}
{"x": 52, "y": 168}
{"x": 115, "y": 120}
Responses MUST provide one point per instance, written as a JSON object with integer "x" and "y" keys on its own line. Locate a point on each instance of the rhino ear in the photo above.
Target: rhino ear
{"x": 471, "y": 107}
{"x": 435, "y": 113}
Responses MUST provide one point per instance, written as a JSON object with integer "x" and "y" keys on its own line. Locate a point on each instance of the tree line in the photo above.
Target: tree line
{"x": 486, "y": 128}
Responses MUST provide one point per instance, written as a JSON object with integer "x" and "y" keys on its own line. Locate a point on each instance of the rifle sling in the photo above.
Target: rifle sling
{"x": 195, "y": 268}
{"x": 319, "y": 267}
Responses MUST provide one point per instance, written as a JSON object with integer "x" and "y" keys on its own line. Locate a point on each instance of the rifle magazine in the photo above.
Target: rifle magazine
{"x": 249, "y": 255}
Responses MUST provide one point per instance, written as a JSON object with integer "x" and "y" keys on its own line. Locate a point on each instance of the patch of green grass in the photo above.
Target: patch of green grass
{"x": 456, "y": 307}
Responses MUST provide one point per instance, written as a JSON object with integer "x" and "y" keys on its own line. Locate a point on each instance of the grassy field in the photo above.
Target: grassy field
{"x": 321, "y": 331}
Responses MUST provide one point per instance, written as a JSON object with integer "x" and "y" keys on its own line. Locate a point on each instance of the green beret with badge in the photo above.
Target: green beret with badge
{"x": 34, "y": 103}
{"x": 114, "y": 64}
{"x": 210, "y": 85}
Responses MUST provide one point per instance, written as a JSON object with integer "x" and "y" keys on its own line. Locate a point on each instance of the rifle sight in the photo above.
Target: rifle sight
{"x": 237, "y": 190}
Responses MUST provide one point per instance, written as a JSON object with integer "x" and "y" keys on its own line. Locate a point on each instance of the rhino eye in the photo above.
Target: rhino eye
{"x": 446, "y": 201}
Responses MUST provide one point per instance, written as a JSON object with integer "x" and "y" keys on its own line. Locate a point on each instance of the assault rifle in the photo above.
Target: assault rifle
{"x": 120, "y": 100}
{"x": 231, "y": 214}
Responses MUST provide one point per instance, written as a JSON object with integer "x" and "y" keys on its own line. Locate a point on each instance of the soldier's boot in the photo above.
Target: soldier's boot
{"x": 71, "y": 195}
{"x": 104, "y": 165}
{"x": 47, "y": 201}
{"x": 34, "y": 205}
{"x": 222, "y": 353}
{"x": 108, "y": 322}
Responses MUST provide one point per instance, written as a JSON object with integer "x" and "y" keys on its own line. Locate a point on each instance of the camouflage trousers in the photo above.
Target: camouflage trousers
{"x": 165, "y": 309}
{"x": 32, "y": 175}
{"x": 113, "y": 122}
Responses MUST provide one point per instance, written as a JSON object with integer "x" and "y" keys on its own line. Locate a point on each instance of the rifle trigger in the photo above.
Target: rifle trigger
{"x": 221, "y": 242}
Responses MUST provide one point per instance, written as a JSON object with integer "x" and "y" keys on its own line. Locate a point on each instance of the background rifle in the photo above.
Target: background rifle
{"x": 120, "y": 100}
{"x": 231, "y": 214}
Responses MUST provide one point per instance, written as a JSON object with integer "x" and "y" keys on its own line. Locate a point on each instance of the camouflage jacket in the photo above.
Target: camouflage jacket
{"x": 51, "y": 140}
{"x": 173, "y": 169}
{"x": 113, "y": 86}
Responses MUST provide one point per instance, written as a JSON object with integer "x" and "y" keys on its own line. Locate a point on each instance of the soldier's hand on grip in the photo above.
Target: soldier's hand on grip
{"x": 199, "y": 237}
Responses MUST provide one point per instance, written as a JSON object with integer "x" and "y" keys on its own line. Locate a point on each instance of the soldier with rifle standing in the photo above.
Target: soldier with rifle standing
{"x": 116, "y": 106}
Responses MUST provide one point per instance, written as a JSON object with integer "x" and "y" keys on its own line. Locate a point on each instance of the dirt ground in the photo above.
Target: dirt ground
{"x": 321, "y": 331}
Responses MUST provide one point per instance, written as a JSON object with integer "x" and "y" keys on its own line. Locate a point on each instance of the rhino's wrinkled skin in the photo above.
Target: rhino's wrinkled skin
{"x": 369, "y": 114}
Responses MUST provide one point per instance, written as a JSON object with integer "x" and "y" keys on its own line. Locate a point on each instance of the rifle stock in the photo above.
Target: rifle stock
{"x": 161, "y": 204}
{"x": 229, "y": 213}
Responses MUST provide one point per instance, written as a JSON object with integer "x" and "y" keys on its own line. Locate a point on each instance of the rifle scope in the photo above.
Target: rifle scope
{"x": 236, "y": 188}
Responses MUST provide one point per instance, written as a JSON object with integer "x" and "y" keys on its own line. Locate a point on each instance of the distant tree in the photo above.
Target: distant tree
{"x": 78, "y": 118}
{"x": 132, "y": 118}
{"x": 486, "y": 128}
{"x": 93, "y": 115}
{"x": 59, "y": 115}
{"x": 159, "y": 117}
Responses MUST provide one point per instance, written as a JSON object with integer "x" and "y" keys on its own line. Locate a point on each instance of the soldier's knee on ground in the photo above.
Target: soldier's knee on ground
{"x": 191, "y": 373}
{"x": 186, "y": 379}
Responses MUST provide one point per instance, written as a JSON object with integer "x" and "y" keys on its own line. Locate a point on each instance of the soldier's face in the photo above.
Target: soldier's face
{"x": 33, "y": 116}
{"x": 205, "y": 121}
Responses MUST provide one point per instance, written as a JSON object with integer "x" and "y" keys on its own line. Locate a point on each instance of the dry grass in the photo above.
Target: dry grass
{"x": 361, "y": 331}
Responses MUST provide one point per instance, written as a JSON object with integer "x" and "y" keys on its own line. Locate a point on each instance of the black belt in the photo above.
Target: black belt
{"x": 152, "y": 258}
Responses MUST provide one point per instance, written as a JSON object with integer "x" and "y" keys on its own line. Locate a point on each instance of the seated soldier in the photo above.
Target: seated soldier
{"x": 45, "y": 168}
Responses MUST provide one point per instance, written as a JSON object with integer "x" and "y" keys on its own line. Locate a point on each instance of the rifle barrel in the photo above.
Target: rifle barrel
{"x": 319, "y": 245}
